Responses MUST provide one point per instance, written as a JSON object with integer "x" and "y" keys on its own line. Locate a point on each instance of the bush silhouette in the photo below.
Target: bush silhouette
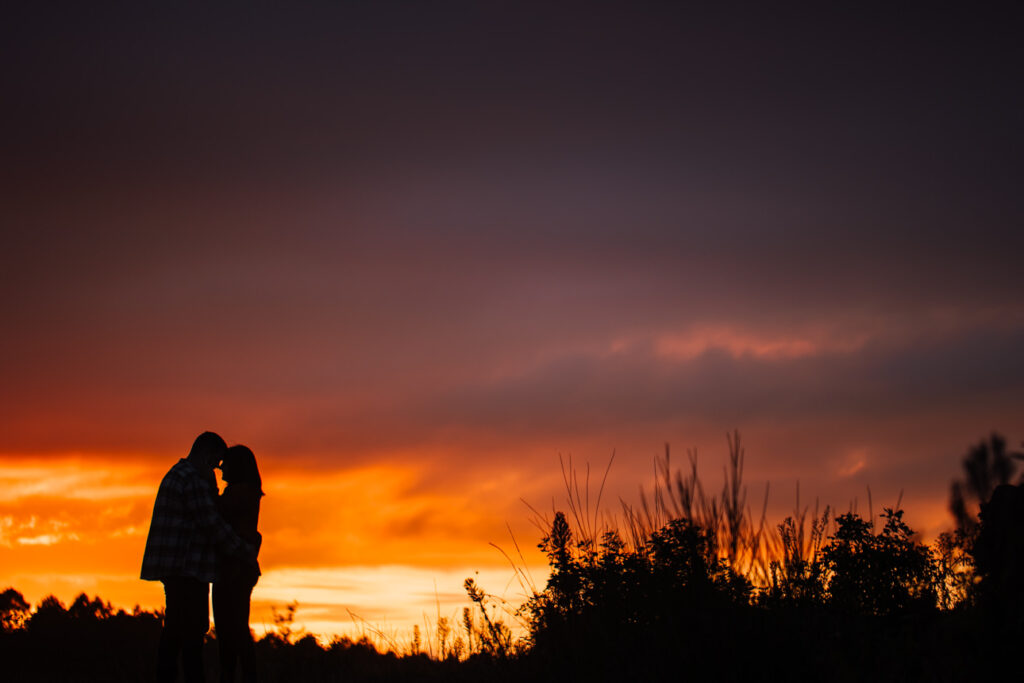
{"x": 878, "y": 574}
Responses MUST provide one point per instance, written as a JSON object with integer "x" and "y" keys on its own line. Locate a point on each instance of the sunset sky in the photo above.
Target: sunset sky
{"x": 411, "y": 254}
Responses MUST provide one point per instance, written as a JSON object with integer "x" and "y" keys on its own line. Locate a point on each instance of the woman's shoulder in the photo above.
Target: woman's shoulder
{"x": 242, "y": 491}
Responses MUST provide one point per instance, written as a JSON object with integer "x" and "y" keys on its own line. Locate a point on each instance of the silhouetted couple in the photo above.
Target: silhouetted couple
{"x": 197, "y": 537}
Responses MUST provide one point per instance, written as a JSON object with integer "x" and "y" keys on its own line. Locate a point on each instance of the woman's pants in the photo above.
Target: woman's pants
{"x": 231, "y": 619}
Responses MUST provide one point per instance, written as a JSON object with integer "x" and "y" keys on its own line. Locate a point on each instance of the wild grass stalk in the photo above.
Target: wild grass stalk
{"x": 738, "y": 536}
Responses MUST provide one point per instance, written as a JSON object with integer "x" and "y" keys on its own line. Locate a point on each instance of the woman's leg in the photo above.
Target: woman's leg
{"x": 225, "y": 617}
{"x": 246, "y": 647}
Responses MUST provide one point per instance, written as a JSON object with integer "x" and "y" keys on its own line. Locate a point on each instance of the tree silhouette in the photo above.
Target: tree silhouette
{"x": 986, "y": 466}
{"x": 999, "y": 546}
{"x": 14, "y": 610}
{"x": 93, "y": 609}
{"x": 50, "y": 613}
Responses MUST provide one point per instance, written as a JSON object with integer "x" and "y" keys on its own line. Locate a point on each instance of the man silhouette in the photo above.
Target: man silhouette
{"x": 185, "y": 537}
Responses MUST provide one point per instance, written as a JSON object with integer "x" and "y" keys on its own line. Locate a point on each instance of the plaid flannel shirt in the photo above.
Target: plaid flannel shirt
{"x": 187, "y": 533}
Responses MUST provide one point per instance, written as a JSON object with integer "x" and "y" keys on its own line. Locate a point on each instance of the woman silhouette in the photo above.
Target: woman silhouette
{"x": 239, "y": 504}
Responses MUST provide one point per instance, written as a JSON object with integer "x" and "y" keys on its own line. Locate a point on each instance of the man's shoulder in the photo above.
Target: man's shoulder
{"x": 179, "y": 476}
{"x": 182, "y": 469}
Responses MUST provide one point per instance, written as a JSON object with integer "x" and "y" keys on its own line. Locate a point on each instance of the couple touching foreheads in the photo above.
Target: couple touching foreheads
{"x": 196, "y": 538}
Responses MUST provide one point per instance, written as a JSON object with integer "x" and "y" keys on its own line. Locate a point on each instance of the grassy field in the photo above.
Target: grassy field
{"x": 690, "y": 584}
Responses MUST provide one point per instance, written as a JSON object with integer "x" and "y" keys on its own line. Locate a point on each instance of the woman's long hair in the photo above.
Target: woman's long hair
{"x": 241, "y": 464}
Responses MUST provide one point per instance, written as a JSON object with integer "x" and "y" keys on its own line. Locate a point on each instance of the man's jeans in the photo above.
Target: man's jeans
{"x": 186, "y": 621}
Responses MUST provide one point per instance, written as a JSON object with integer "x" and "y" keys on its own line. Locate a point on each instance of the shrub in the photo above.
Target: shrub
{"x": 878, "y": 574}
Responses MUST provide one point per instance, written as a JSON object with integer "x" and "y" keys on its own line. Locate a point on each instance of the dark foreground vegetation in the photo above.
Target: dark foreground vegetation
{"x": 686, "y": 585}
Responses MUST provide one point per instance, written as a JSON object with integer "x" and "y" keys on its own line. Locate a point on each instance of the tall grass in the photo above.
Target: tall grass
{"x": 739, "y": 537}
{"x": 777, "y": 561}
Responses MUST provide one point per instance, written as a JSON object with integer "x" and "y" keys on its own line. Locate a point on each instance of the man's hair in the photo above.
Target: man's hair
{"x": 207, "y": 442}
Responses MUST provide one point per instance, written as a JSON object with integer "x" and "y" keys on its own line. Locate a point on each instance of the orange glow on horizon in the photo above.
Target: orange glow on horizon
{"x": 373, "y": 546}
{"x": 359, "y": 549}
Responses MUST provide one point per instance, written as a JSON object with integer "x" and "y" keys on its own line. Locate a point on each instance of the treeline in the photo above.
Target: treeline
{"x": 90, "y": 640}
{"x": 685, "y": 584}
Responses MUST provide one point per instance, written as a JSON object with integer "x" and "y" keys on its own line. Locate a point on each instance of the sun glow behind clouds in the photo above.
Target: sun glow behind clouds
{"x": 49, "y": 502}
{"x": 758, "y": 344}
{"x": 76, "y": 477}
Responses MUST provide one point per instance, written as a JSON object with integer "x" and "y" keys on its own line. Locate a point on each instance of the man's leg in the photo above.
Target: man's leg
{"x": 186, "y": 621}
{"x": 167, "y": 656}
{"x": 170, "y": 634}
{"x": 197, "y": 624}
